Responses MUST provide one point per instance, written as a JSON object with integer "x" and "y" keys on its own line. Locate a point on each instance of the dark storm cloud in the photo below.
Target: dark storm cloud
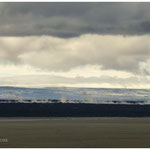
{"x": 74, "y": 19}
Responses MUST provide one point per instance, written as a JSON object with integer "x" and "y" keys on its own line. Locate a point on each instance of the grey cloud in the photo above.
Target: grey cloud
{"x": 74, "y": 19}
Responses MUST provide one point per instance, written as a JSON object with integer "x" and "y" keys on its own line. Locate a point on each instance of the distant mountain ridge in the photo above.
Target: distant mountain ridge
{"x": 91, "y": 94}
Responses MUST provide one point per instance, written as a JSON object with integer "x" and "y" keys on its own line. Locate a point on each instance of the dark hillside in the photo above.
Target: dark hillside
{"x": 72, "y": 110}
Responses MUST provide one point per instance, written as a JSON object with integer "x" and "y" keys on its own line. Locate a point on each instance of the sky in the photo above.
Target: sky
{"x": 74, "y": 44}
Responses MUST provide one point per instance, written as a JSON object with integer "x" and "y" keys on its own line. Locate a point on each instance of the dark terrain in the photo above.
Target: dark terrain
{"x": 73, "y": 110}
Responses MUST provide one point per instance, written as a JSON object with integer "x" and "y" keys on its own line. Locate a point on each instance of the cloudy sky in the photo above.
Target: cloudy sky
{"x": 75, "y": 44}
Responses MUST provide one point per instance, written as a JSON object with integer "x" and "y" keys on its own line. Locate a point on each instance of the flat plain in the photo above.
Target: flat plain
{"x": 100, "y": 132}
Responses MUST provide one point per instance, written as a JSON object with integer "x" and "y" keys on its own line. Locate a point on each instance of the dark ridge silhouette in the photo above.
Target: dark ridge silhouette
{"x": 73, "y": 110}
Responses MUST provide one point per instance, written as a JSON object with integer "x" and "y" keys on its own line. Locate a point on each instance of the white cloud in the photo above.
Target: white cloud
{"x": 50, "y": 53}
{"x": 25, "y": 75}
{"x": 88, "y": 60}
{"x": 96, "y": 82}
